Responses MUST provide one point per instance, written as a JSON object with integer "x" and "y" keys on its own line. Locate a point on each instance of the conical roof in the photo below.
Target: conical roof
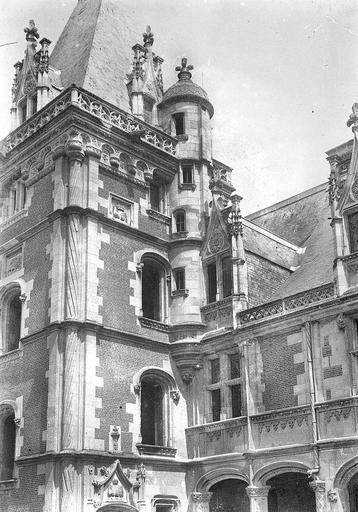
{"x": 94, "y": 50}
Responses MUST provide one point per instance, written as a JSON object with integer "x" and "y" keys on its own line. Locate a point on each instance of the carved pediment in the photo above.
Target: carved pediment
{"x": 112, "y": 487}
{"x": 217, "y": 240}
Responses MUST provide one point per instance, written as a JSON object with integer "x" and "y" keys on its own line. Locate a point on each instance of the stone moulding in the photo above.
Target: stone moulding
{"x": 282, "y": 306}
{"x": 337, "y": 409}
{"x": 108, "y": 114}
{"x": 159, "y": 216}
{"x": 153, "y": 324}
{"x": 148, "y": 449}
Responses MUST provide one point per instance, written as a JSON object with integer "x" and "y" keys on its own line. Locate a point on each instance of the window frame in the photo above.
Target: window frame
{"x": 182, "y": 222}
{"x": 224, "y": 386}
{"x": 220, "y": 291}
{"x": 164, "y": 287}
{"x": 9, "y": 294}
{"x": 175, "y": 117}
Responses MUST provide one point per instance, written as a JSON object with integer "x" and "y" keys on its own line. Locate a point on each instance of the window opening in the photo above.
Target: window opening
{"x": 236, "y": 409}
{"x": 152, "y": 430}
{"x": 235, "y": 366}
{"x": 216, "y": 404}
{"x": 353, "y": 231}
{"x": 7, "y": 445}
{"x": 212, "y": 282}
{"x": 179, "y": 123}
{"x": 151, "y": 284}
{"x": 23, "y": 111}
{"x": 187, "y": 170}
{"x": 227, "y": 276}
{"x": 215, "y": 370}
{"x": 155, "y": 197}
{"x": 34, "y": 104}
{"x": 179, "y": 276}
{"x": 180, "y": 221}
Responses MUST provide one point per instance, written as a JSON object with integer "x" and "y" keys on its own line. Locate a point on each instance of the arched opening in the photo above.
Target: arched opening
{"x": 11, "y": 308}
{"x": 153, "y": 290}
{"x": 7, "y": 443}
{"x": 290, "y": 491}
{"x": 152, "y": 413}
{"x": 229, "y": 495}
{"x": 353, "y": 493}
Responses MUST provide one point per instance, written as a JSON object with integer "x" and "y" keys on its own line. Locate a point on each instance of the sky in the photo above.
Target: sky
{"x": 282, "y": 76}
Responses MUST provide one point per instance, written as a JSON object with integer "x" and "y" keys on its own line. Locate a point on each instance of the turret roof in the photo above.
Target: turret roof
{"x": 186, "y": 89}
{"x": 94, "y": 50}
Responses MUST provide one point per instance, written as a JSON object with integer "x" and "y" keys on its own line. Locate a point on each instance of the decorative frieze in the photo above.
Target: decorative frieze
{"x": 280, "y": 420}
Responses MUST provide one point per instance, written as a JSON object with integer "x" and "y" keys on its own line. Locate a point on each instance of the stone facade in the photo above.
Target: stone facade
{"x": 158, "y": 351}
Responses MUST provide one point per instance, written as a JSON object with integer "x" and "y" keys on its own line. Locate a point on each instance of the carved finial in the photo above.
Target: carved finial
{"x": 234, "y": 218}
{"x": 353, "y": 118}
{"x": 148, "y": 37}
{"x": 31, "y": 32}
{"x": 184, "y": 70}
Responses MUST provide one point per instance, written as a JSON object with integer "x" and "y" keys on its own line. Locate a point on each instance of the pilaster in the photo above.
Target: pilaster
{"x": 319, "y": 488}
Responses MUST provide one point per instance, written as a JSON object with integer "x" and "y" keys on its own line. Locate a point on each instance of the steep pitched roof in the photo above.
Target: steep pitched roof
{"x": 304, "y": 220}
{"x": 94, "y": 50}
{"x": 295, "y": 218}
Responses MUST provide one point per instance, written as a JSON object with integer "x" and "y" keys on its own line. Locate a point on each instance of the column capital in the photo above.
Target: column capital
{"x": 93, "y": 151}
{"x": 58, "y": 152}
{"x": 74, "y": 149}
{"x": 201, "y": 497}
{"x": 318, "y": 486}
{"x": 257, "y": 492}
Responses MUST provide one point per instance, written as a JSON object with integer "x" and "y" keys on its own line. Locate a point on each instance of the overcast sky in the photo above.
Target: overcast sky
{"x": 281, "y": 74}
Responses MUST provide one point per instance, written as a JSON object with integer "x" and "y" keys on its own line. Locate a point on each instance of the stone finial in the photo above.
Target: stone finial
{"x": 353, "y": 118}
{"x": 148, "y": 37}
{"x": 184, "y": 70}
{"x": 42, "y": 56}
{"x": 31, "y": 32}
{"x": 234, "y": 219}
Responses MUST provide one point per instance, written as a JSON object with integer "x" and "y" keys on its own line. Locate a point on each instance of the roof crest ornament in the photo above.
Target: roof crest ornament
{"x": 148, "y": 37}
{"x": 31, "y": 32}
{"x": 184, "y": 70}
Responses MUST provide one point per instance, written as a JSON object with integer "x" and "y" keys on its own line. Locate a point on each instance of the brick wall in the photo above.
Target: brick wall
{"x": 264, "y": 278}
{"x": 280, "y": 371}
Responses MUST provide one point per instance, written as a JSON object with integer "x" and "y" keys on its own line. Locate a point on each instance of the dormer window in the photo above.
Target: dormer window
{"x": 179, "y": 123}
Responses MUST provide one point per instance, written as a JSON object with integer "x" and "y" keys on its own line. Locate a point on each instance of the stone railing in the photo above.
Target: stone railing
{"x": 219, "y": 312}
{"x": 215, "y": 438}
{"x": 108, "y": 113}
{"x": 282, "y": 306}
{"x": 338, "y": 418}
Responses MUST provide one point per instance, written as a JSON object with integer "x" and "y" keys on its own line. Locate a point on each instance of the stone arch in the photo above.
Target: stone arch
{"x": 217, "y": 475}
{"x": 156, "y": 392}
{"x": 155, "y": 278}
{"x": 277, "y": 468}
{"x": 345, "y": 472}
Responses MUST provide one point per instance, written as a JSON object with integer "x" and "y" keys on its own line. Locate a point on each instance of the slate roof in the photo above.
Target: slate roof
{"x": 187, "y": 89}
{"x": 303, "y": 220}
{"x": 94, "y": 50}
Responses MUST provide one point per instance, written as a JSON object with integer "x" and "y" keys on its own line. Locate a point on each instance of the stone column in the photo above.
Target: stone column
{"x": 201, "y": 501}
{"x": 258, "y": 498}
{"x": 319, "y": 488}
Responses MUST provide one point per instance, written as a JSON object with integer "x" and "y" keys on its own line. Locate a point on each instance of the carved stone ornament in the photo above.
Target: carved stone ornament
{"x": 318, "y": 486}
{"x": 354, "y": 190}
{"x": 175, "y": 395}
{"x": 115, "y": 435}
{"x": 216, "y": 243}
{"x": 340, "y": 319}
{"x": 113, "y": 486}
{"x": 257, "y": 492}
{"x": 332, "y": 496}
{"x": 17, "y": 422}
{"x": 140, "y": 477}
{"x": 200, "y": 497}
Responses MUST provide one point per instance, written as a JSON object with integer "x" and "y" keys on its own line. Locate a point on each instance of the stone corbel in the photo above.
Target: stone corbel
{"x": 341, "y": 322}
{"x": 332, "y": 496}
{"x": 139, "y": 268}
{"x": 114, "y": 160}
{"x": 148, "y": 174}
{"x": 175, "y": 396}
{"x": 93, "y": 151}
{"x": 74, "y": 149}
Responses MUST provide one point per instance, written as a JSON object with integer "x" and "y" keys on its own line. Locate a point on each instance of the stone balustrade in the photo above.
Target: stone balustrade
{"x": 109, "y": 115}
{"x": 288, "y": 304}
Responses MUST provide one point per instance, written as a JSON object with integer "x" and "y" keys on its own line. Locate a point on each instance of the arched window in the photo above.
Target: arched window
{"x": 11, "y": 307}
{"x": 157, "y": 394}
{"x": 154, "y": 289}
{"x": 7, "y": 441}
{"x": 180, "y": 221}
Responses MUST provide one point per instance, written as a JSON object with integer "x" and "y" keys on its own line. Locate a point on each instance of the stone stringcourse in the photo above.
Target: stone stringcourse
{"x": 83, "y": 100}
{"x": 288, "y": 304}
